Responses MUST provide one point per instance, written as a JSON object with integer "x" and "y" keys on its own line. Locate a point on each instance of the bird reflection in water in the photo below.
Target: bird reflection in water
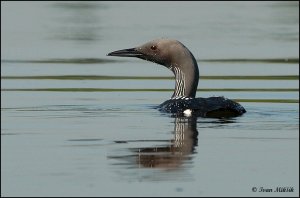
{"x": 172, "y": 155}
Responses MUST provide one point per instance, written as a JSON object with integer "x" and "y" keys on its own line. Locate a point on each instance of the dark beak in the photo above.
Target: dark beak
{"x": 132, "y": 52}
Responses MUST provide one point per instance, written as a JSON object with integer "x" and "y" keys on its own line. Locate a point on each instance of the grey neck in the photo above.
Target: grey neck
{"x": 187, "y": 77}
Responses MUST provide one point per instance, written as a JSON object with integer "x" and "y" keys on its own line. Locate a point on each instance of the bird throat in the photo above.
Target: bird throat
{"x": 186, "y": 83}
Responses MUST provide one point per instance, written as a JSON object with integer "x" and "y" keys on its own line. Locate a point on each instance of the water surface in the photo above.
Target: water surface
{"x": 75, "y": 122}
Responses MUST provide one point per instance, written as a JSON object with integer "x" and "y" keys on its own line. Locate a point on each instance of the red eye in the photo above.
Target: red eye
{"x": 153, "y": 47}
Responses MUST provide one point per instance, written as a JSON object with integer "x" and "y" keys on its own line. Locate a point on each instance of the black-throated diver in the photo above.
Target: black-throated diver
{"x": 176, "y": 57}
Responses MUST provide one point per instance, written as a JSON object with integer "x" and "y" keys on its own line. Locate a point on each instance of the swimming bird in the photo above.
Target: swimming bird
{"x": 178, "y": 58}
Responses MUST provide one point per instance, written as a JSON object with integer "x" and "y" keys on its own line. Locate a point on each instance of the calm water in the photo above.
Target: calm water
{"x": 75, "y": 122}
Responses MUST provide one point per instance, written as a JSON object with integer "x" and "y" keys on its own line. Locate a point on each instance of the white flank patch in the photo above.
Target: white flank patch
{"x": 187, "y": 112}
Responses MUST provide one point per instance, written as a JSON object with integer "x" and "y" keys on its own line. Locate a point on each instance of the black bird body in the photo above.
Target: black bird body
{"x": 204, "y": 107}
{"x": 176, "y": 57}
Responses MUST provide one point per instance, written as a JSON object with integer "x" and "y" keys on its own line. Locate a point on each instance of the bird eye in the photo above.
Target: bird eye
{"x": 153, "y": 47}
